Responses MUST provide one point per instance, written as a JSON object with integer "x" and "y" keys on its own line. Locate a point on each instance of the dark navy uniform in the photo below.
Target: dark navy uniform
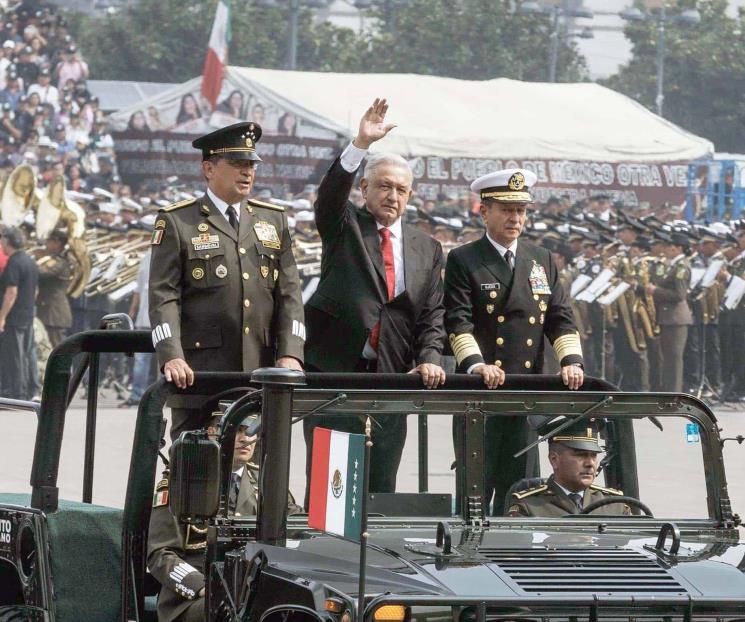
{"x": 499, "y": 316}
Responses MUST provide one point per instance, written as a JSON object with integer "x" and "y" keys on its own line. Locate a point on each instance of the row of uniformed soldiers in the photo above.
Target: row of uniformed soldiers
{"x": 657, "y": 306}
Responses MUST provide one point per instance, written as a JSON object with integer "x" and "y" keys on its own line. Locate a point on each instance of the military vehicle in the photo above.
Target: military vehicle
{"x": 428, "y": 558}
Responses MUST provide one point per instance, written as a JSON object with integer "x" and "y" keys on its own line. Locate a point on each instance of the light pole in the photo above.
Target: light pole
{"x": 556, "y": 12}
{"x": 690, "y": 17}
{"x": 292, "y": 20}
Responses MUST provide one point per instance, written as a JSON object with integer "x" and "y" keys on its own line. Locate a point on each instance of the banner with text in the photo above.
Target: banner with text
{"x": 290, "y": 162}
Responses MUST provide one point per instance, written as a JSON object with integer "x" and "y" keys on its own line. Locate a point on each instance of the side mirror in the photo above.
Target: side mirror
{"x": 195, "y": 477}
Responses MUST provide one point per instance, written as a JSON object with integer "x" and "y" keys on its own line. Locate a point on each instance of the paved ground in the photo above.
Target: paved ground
{"x": 671, "y": 470}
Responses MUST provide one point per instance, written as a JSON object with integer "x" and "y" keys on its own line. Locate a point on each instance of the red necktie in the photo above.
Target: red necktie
{"x": 386, "y": 247}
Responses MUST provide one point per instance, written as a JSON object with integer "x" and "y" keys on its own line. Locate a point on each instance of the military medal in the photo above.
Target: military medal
{"x": 542, "y": 318}
{"x": 267, "y": 234}
{"x": 160, "y": 224}
{"x": 205, "y": 241}
{"x": 539, "y": 280}
{"x": 276, "y": 274}
{"x": 542, "y": 306}
{"x": 264, "y": 271}
{"x": 197, "y": 273}
{"x": 221, "y": 271}
{"x": 490, "y": 309}
{"x": 203, "y": 226}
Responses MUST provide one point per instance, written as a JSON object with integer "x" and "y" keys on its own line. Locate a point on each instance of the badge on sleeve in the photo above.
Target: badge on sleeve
{"x": 267, "y": 234}
{"x": 157, "y": 237}
{"x": 539, "y": 280}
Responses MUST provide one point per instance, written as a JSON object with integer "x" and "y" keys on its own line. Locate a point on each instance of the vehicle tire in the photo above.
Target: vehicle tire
{"x": 13, "y": 613}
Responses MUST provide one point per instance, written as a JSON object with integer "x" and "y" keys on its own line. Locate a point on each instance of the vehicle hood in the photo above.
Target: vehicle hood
{"x": 508, "y": 562}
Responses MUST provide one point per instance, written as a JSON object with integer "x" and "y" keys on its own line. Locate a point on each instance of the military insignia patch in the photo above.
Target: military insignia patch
{"x": 539, "y": 280}
{"x": 197, "y": 273}
{"x": 160, "y": 224}
{"x": 157, "y": 237}
{"x": 543, "y": 306}
{"x": 276, "y": 274}
{"x": 205, "y": 241}
{"x": 203, "y": 226}
{"x": 264, "y": 271}
{"x": 221, "y": 271}
{"x": 490, "y": 309}
{"x": 516, "y": 182}
{"x": 267, "y": 234}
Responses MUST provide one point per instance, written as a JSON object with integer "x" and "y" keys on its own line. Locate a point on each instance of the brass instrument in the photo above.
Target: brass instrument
{"x": 647, "y": 311}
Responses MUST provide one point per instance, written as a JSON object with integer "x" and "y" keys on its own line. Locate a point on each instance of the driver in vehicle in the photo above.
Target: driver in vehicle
{"x": 573, "y": 454}
{"x": 176, "y": 551}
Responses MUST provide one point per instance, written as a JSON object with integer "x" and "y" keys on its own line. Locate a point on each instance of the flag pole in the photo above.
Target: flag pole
{"x": 363, "y": 526}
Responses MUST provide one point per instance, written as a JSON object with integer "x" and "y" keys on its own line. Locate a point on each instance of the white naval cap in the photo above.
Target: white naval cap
{"x": 510, "y": 185}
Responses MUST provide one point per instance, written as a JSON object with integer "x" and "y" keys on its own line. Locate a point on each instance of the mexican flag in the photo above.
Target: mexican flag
{"x": 217, "y": 53}
{"x": 336, "y": 482}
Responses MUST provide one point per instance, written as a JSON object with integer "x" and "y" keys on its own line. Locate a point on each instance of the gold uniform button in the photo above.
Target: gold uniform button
{"x": 207, "y": 256}
{"x": 529, "y": 342}
{"x": 197, "y": 344}
{"x": 500, "y": 318}
{"x": 492, "y": 294}
{"x": 531, "y": 319}
{"x": 528, "y": 364}
{"x": 245, "y": 276}
{"x": 246, "y": 330}
{"x": 246, "y": 303}
{"x": 500, "y": 341}
{"x": 498, "y": 363}
{"x": 242, "y": 251}
{"x": 535, "y": 296}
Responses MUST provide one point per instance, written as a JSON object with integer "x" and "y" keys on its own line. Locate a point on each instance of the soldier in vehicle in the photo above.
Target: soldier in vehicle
{"x": 573, "y": 454}
{"x": 176, "y": 551}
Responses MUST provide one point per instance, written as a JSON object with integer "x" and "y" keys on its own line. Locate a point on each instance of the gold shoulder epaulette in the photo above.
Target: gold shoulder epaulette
{"x": 608, "y": 491}
{"x": 177, "y": 205}
{"x": 529, "y": 492}
{"x": 257, "y": 203}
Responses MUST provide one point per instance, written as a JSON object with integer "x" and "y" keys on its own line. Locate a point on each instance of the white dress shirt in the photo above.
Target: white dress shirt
{"x": 223, "y": 206}
{"x": 352, "y": 157}
{"x": 503, "y": 249}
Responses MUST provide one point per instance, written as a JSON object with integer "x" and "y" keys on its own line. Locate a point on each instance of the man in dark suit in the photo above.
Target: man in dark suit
{"x": 501, "y": 298}
{"x": 378, "y": 306}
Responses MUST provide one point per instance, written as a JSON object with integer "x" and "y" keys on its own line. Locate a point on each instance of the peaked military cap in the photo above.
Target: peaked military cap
{"x": 234, "y": 142}
{"x": 583, "y": 435}
{"x": 511, "y": 185}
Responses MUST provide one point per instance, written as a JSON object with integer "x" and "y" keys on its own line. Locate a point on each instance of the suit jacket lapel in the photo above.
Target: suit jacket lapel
{"x": 245, "y": 224}
{"x": 523, "y": 266}
{"x": 245, "y": 504}
{"x": 371, "y": 239}
{"x": 412, "y": 258}
{"x": 217, "y": 220}
{"x": 560, "y": 497}
{"x": 494, "y": 262}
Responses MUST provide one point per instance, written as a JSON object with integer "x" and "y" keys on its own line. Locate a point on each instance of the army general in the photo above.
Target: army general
{"x": 224, "y": 287}
{"x": 501, "y": 298}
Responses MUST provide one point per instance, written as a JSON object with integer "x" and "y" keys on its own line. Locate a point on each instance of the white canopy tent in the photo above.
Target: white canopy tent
{"x": 447, "y": 117}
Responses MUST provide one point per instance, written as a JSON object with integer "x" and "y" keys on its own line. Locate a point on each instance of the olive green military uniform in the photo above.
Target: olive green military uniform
{"x": 52, "y": 305}
{"x": 674, "y": 317}
{"x": 550, "y": 501}
{"x": 176, "y": 551}
{"x": 220, "y": 299}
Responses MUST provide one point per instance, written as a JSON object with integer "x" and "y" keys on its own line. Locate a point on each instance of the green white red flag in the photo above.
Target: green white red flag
{"x": 336, "y": 482}
{"x": 217, "y": 53}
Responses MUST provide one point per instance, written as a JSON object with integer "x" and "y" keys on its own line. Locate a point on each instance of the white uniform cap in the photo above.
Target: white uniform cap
{"x": 511, "y": 185}
{"x": 304, "y": 216}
